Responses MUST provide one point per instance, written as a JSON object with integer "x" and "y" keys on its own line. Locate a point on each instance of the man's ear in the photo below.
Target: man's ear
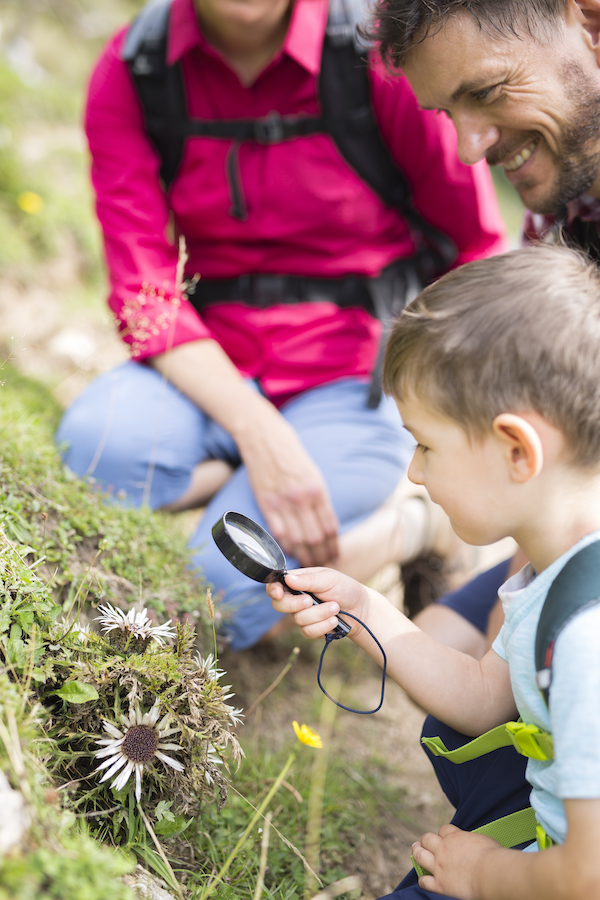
{"x": 522, "y": 446}
{"x": 588, "y": 12}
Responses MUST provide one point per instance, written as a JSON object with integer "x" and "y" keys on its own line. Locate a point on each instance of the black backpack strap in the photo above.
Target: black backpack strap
{"x": 161, "y": 92}
{"x": 575, "y": 588}
{"x": 159, "y": 86}
{"x": 345, "y": 94}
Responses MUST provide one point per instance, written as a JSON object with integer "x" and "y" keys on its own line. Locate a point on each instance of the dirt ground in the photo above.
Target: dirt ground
{"x": 388, "y": 741}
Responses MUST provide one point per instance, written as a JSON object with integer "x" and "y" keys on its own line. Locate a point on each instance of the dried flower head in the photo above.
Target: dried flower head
{"x": 307, "y": 736}
{"x": 131, "y": 748}
{"x": 210, "y": 604}
{"x": 133, "y": 631}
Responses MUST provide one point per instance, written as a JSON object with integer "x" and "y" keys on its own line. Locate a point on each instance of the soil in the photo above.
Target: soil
{"x": 387, "y": 741}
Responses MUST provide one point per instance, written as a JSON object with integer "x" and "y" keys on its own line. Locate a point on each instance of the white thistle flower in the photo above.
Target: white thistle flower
{"x": 81, "y": 632}
{"x": 132, "y": 631}
{"x": 208, "y": 666}
{"x": 134, "y": 746}
{"x": 236, "y": 715}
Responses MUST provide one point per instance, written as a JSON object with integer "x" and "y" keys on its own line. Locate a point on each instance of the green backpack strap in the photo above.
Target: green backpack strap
{"x": 528, "y": 740}
{"x": 509, "y": 831}
{"x": 485, "y": 743}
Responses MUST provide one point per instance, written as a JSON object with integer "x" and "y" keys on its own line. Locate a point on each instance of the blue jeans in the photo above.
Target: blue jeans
{"x": 140, "y": 438}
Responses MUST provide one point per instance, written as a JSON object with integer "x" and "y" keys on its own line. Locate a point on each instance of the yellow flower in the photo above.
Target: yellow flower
{"x": 30, "y": 202}
{"x": 307, "y": 736}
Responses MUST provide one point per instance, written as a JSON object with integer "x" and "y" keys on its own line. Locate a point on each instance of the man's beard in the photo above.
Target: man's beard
{"x": 578, "y": 158}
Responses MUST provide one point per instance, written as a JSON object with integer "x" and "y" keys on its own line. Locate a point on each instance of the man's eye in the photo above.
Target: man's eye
{"x": 422, "y": 448}
{"x": 484, "y": 93}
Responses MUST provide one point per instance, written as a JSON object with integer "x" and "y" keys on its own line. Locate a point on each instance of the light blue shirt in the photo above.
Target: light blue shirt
{"x": 573, "y": 717}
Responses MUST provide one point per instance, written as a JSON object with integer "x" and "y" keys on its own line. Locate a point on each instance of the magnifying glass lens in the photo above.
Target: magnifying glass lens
{"x": 249, "y": 543}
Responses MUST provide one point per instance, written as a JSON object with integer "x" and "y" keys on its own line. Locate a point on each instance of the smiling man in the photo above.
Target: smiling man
{"x": 520, "y": 80}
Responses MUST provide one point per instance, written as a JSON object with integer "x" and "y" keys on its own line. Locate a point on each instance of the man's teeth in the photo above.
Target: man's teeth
{"x": 520, "y": 159}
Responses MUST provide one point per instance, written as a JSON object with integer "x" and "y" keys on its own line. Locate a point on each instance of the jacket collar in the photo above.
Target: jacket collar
{"x": 303, "y": 42}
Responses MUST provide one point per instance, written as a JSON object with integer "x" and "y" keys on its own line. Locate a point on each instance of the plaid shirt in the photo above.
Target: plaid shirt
{"x": 586, "y": 209}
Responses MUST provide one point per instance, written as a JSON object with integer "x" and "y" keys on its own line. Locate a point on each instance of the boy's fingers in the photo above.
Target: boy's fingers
{"x": 289, "y": 603}
{"x": 315, "y": 579}
{"x": 447, "y": 829}
{"x": 423, "y": 857}
{"x": 316, "y": 615}
{"x": 320, "y": 629}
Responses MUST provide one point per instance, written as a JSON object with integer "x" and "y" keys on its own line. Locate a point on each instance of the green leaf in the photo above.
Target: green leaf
{"x": 163, "y": 811}
{"x": 77, "y": 692}
{"x": 170, "y": 829}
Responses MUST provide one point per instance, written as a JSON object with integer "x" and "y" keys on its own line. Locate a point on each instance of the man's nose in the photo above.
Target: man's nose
{"x": 475, "y": 138}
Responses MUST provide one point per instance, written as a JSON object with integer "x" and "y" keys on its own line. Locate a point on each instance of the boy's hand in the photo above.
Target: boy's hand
{"x": 337, "y": 592}
{"x": 454, "y": 858}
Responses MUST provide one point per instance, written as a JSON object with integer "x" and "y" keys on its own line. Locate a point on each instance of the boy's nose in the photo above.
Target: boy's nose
{"x": 414, "y": 471}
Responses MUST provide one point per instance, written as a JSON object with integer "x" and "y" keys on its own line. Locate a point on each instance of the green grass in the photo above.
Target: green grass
{"x": 85, "y": 541}
{"x": 146, "y": 549}
{"x": 351, "y": 802}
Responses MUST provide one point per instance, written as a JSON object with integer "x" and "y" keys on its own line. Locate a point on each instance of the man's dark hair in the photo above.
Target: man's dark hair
{"x": 397, "y": 25}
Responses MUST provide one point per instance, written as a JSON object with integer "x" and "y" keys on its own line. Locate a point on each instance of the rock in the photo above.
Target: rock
{"x": 14, "y": 820}
{"x": 146, "y": 886}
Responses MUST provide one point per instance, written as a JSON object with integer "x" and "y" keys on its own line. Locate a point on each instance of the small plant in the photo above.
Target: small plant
{"x": 45, "y": 852}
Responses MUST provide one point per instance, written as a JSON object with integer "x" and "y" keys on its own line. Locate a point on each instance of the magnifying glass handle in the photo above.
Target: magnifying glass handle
{"x": 342, "y": 629}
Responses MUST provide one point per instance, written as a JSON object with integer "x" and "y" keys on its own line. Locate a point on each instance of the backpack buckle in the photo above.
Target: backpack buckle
{"x": 530, "y": 740}
{"x": 270, "y": 129}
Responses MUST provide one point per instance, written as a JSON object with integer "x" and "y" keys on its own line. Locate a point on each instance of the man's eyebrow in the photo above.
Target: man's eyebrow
{"x": 465, "y": 87}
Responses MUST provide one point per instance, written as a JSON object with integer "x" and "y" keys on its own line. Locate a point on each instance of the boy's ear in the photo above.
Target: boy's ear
{"x": 522, "y": 445}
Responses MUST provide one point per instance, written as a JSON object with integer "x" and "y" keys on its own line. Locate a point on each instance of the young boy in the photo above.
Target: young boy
{"x": 496, "y": 372}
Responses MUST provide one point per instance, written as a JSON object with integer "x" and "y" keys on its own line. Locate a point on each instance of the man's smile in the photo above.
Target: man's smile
{"x": 520, "y": 158}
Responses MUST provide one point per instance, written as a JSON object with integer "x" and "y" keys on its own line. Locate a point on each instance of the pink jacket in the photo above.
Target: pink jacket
{"x": 309, "y": 213}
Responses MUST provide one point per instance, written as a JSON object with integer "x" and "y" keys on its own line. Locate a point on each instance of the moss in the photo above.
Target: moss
{"x": 92, "y": 550}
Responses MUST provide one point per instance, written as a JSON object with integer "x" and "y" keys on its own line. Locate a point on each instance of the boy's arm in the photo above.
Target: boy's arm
{"x": 470, "y": 695}
{"x": 472, "y": 867}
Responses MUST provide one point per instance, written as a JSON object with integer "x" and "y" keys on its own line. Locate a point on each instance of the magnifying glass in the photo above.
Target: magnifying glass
{"x": 252, "y": 550}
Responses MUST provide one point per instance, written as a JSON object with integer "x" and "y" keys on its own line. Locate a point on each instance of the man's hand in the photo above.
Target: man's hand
{"x": 455, "y": 859}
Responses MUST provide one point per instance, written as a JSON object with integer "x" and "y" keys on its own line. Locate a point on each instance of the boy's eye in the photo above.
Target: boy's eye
{"x": 422, "y": 448}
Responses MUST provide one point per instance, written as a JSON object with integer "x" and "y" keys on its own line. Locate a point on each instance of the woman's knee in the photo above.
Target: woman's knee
{"x": 134, "y": 434}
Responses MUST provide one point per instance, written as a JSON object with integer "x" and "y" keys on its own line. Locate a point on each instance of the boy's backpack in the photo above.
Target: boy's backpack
{"x": 575, "y": 588}
{"x": 347, "y": 115}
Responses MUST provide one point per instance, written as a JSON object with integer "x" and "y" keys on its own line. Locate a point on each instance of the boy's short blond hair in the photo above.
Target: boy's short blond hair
{"x": 506, "y": 334}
